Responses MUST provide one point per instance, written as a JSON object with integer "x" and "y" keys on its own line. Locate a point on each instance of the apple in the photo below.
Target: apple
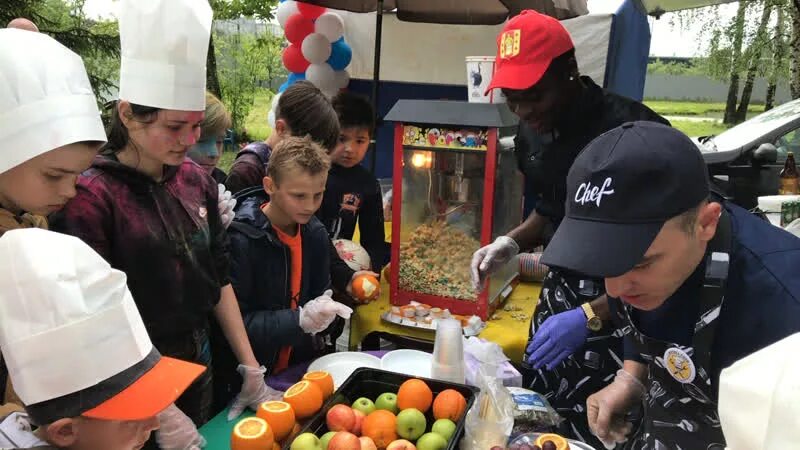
{"x": 306, "y": 441}
{"x": 411, "y": 424}
{"x": 401, "y": 444}
{"x": 445, "y": 428}
{"x": 364, "y": 405}
{"x": 359, "y": 420}
{"x": 340, "y": 418}
{"x": 431, "y": 441}
{"x": 344, "y": 440}
{"x": 326, "y": 438}
{"x": 387, "y": 401}
{"x": 367, "y": 443}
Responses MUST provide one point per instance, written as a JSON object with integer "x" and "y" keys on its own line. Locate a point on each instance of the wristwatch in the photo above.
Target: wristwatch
{"x": 593, "y": 322}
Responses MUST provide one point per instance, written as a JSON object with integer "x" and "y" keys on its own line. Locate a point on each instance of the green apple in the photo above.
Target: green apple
{"x": 306, "y": 441}
{"x": 431, "y": 441}
{"x": 323, "y": 441}
{"x": 445, "y": 428}
{"x": 411, "y": 424}
{"x": 387, "y": 401}
{"x": 364, "y": 405}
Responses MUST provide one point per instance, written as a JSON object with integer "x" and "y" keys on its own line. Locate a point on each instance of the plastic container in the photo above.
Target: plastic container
{"x": 371, "y": 383}
{"x": 479, "y": 73}
{"x": 771, "y": 205}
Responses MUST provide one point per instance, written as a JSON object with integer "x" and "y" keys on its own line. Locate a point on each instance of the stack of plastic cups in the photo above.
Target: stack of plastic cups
{"x": 448, "y": 352}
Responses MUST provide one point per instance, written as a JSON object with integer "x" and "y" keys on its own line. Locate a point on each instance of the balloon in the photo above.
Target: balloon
{"x": 322, "y": 76}
{"x": 293, "y": 59}
{"x": 309, "y": 10}
{"x": 330, "y": 25}
{"x": 271, "y": 119}
{"x": 295, "y": 77}
{"x": 297, "y": 28}
{"x": 285, "y": 84}
{"x": 342, "y": 79}
{"x": 316, "y": 48}
{"x": 341, "y": 55}
{"x": 285, "y": 10}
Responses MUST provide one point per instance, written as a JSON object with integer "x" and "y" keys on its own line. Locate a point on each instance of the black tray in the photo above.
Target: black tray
{"x": 371, "y": 383}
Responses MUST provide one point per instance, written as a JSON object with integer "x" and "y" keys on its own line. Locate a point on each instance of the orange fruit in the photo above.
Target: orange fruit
{"x": 305, "y": 398}
{"x": 323, "y": 380}
{"x": 293, "y": 434}
{"x": 279, "y": 416}
{"x": 276, "y": 446}
{"x": 414, "y": 393}
{"x": 380, "y": 426}
{"x": 560, "y": 442}
{"x": 449, "y": 404}
{"x": 252, "y": 433}
{"x": 365, "y": 287}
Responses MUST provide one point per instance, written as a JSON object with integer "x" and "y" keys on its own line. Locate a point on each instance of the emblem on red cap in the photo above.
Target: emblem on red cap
{"x": 509, "y": 44}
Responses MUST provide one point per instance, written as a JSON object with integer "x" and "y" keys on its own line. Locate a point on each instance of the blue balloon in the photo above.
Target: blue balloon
{"x": 284, "y": 86}
{"x": 341, "y": 55}
{"x": 295, "y": 77}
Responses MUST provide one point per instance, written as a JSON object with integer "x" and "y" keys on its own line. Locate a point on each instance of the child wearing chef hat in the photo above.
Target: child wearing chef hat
{"x": 77, "y": 350}
{"x": 50, "y": 129}
{"x": 153, "y": 213}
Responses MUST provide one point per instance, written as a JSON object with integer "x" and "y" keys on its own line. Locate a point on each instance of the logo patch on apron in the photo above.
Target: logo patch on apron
{"x": 679, "y": 365}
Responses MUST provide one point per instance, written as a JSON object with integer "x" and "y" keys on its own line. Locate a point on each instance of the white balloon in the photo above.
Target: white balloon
{"x": 285, "y": 10}
{"x": 275, "y": 99}
{"x": 342, "y": 79}
{"x": 322, "y": 76}
{"x": 271, "y": 119}
{"x": 316, "y": 48}
{"x": 330, "y": 25}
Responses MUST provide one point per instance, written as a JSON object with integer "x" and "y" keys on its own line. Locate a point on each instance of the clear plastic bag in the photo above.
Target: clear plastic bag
{"x": 533, "y": 409}
{"x": 490, "y": 420}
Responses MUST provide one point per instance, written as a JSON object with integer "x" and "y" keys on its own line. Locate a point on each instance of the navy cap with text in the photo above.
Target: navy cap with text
{"x": 621, "y": 189}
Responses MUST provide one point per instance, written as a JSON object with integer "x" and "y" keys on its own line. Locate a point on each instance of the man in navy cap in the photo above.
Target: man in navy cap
{"x": 695, "y": 282}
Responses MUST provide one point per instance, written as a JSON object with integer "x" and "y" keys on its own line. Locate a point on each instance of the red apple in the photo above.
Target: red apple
{"x": 340, "y": 418}
{"x": 359, "y": 418}
{"x": 401, "y": 444}
{"x": 367, "y": 443}
{"x": 344, "y": 440}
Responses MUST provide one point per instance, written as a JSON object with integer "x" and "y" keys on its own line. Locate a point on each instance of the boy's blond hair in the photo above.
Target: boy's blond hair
{"x": 217, "y": 119}
{"x": 293, "y": 153}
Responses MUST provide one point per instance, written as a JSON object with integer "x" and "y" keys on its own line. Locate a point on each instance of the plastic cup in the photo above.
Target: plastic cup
{"x": 448, "y": 351}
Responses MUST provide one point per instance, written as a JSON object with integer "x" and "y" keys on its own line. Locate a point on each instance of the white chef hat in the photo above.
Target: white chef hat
{"x": 46, "y": 100}
{"x": 164, "y": 49}
{"x": 72, "y": 337}
{"x": 759, "y": 398}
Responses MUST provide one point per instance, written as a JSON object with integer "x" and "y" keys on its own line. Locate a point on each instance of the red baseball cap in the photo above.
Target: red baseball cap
{"x": 525, "y": 48}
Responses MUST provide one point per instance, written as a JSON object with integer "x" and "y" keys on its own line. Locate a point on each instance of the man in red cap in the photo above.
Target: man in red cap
{"x": 574, "y": 350}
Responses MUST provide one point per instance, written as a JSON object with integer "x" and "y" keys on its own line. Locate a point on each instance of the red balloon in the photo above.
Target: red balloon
{"x": 297, "y": 28}
{"x": 310, "y": 11}
{"x": 293, "y": 59}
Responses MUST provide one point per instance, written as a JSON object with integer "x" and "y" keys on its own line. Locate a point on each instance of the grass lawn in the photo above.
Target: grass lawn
{"x": 256, "y": 125}
{"x": 697, "y": 128}
{"x": 679, "y": 108}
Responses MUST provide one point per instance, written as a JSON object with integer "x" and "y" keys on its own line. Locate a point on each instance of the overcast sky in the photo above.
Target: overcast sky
{"x": 666, "y": 40}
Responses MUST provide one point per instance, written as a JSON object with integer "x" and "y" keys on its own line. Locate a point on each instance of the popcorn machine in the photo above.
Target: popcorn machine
{"x": 456, "y": 188}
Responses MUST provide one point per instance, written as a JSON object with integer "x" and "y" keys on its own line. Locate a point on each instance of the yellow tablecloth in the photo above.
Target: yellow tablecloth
{"x": 511, "y": 334}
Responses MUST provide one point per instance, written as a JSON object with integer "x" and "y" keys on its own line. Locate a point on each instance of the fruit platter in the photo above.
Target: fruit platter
{"x": 544, "y": 441}
{"x": 373, "y": 410}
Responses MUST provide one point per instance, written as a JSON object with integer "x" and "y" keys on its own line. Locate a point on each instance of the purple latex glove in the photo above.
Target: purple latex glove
{"x": 558, "y": 337}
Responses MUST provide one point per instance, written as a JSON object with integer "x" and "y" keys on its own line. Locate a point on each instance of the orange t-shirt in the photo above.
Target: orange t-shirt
{"x": 295, "y": 244}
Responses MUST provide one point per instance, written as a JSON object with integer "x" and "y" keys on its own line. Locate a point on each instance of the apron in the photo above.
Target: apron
{"x": 680, "y": 406}
{"x": 587, "y": 371}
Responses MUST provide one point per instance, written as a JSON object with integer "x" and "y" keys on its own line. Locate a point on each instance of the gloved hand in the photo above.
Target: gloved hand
{"x": 177, "y": 431}
{"x": 375, "y": 295}
{"x": 226, "y": 203}
{"x": 606, "y": 408}
{"x": 254, "y": 391}
{"x": 316, "y": 315}
{"x": 488, "y": 259}
{"x": 558, "y": 337}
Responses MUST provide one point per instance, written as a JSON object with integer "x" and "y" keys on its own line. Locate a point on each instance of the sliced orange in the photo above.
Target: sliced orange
{"x": 560, "y": 441}
{"x": 252, "y": 433}
{"x": 279, "y": 416}
{"x": 323, "y": 380}
{"x": 305, "y": 398}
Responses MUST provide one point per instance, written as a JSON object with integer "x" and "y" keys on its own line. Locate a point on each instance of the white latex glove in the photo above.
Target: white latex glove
{"x": 177, "y": 431}
{"x": 606, "y": 408}
{"x": 375, "y": 295}
{"x": 488, "y": 259}
{"x": 316, "y": 315}
{"x": 226, "y": 203}
{"x": 254, "y": 391}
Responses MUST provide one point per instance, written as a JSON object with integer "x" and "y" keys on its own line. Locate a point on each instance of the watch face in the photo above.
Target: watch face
{"x": 595, "y": 324}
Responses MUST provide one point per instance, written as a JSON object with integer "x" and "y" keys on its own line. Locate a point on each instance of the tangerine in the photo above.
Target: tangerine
{"x": 252, "y": 433}
{"x": 380, "y": 426}
{"x": 414, "y": 393}
{"x": 279, "y": 416}
{"x": 449, "y": 404}
{"x": 366, "y": 288}
{"x": 323, "y": 380}
{"x": 560, "y": 442}
{"x": 305, "y": 398}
